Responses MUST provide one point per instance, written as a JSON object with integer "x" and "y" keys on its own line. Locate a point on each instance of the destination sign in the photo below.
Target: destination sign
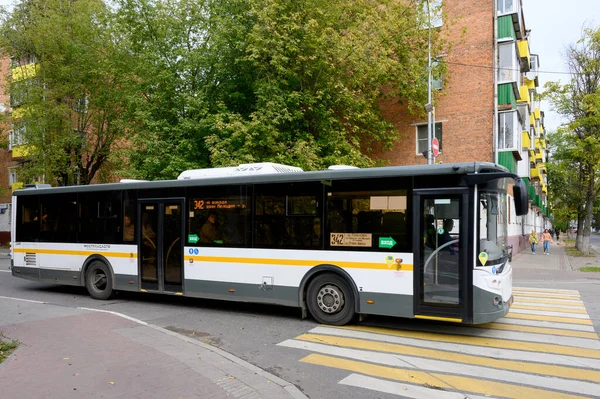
{"x": 219, "y": 204}
{"x": 350, "y": 240}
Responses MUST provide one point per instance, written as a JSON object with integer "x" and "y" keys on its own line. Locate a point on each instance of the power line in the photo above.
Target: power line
{"x": 510, "y": 69}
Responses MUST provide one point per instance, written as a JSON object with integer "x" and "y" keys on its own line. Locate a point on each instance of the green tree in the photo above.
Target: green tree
{"x": 72, "y": 112}
{"x": 240, "y": 81}
{"x": 579, "y": 102}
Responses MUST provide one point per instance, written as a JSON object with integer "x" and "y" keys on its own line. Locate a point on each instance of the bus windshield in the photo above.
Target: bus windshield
{"x": 493, "y": 223}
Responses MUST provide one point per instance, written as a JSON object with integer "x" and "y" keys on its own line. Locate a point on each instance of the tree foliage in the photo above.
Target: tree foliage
{"x": 578, "y": 140}
{"x": 71, "y": 115}
{"x": 270, "y": 80}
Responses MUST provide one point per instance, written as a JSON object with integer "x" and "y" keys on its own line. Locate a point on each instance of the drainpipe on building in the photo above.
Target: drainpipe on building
{"x": 495, "y": 71}
{"x": 429, "y": 104}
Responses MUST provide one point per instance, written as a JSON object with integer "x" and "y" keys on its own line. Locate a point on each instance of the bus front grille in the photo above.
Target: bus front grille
{"x": 30, "y": 259}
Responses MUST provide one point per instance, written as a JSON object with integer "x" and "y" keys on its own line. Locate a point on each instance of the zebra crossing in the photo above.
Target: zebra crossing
{"x": 545, "y": 347}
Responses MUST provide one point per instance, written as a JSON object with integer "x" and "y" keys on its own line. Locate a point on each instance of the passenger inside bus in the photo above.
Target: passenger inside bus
{"x": 209, "y": 233}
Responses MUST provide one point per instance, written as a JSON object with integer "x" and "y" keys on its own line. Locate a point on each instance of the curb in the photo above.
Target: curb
{"x": 289, "y": 387}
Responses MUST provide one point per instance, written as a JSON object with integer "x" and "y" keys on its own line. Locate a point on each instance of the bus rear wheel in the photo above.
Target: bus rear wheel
{"x": 98, "y": 280}
{"x": 330, "y": 300}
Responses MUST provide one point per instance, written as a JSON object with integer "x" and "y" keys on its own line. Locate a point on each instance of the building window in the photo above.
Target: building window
{"x": 17, "y": 135}
{"x": 508, "y": 65}
{"x": 507, "y": 130}
{"x": 12, "y": 176}
{"x": 507, "y": 6}
{"x": 422, "y": 137}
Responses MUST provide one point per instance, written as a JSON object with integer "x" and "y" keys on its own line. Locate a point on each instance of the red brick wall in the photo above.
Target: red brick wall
{"x": 5, "y": 156}
{"x": 466, "y": 107}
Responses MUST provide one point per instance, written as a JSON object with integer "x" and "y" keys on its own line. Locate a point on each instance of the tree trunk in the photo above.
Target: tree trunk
{"x": 580, "y": 218}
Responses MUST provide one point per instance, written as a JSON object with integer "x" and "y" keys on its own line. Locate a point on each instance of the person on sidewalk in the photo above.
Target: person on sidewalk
{"x": 533, "y": 241}
{"x": 546, "y": 240}
{"x": 557, "y": 237}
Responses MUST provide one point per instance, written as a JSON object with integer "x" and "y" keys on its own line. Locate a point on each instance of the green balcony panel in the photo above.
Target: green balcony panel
{"x": 506, "y": 28}
{"x": 507, "y": 159}
{"x": 506, "y": 95}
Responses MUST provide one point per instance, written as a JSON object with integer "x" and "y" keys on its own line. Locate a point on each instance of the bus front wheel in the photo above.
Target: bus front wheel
{"x": 98, "y": 281}
{"x": 330, "y": 300}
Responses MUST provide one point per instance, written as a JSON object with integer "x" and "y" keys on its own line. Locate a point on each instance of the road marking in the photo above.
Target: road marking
{"x": 520, "y": 299}
{"x": 447, "y": 358}
{"x": 549, "y": 296}
{"x": 5, "y": 271}
{"x": 552, "y": 306}
{"x": 555, "y": 314}
{"x": 404, "y": 390}
{"x": 513, "y": 315}
{"x": 491, "y": 352}
{"x": 549, "y": 290}
{"x": 545, "y": 324}
{"x": 437, "y": 380}
{"x": 567, "y": 311}
{"x": 484, "y": 341}
{"x": 538, "y": 330}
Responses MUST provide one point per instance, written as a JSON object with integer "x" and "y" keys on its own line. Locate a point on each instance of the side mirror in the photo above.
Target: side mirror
{"x": 521, "y": 198}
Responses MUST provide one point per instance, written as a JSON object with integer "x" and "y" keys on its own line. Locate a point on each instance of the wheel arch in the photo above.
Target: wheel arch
{"x": 322, "y": 269}
{"x": 88, "y": 262}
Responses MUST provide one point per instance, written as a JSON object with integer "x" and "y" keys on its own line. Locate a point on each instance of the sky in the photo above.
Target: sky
{"x": 554, "y": 25}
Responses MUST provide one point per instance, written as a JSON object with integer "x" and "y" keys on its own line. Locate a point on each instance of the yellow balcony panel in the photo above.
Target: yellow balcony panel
{"x": 17, "y": 185}
{"x": 524, "y": 94}
{"x": 525, "y": 140}
{"x": 530, "y": 84}
{"x": 523, "y": 46}
{"x": 24, "y": 150}
{"x": 535, "y": 173}
{"x": 18, "y": 113}
{"x": 531, "y": 119}
{"x": 24, "y": 72}
{"x": 537, "y": 113}
{"x": 545, "y": 188}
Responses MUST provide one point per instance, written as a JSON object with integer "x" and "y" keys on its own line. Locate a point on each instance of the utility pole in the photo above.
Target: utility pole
{"x": 429, "y": 107}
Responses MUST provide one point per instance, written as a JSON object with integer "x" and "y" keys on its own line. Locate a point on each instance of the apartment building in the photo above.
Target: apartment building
{"x": 487, "y": 109}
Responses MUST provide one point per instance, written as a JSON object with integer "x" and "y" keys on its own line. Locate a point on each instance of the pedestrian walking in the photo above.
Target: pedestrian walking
{"x": 533, "y": 241}
{"x": 557, "y": 236}
{"x": 546, "y": 240}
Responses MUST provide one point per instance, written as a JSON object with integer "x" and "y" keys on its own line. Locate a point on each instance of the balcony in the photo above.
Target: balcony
{"x": 532, "y": 74}
{"x": 540, "y": 144}
{"x": 535, "y": 174}
{"x": 23, "y": 150}
{"x": 23, "y": 72}
{"x": 509, "y": 133}
{"x": 525, "y": 140}
{"x": 523, "y": 95}
{"x": 524, "y": 55}
{"x": 537, "y": 113}
{"x": 512, "y": 9}
{"x": 17, "y": 185}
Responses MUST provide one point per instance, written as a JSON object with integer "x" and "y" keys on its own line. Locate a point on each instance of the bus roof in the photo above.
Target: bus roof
{"x": 331, "y": 174}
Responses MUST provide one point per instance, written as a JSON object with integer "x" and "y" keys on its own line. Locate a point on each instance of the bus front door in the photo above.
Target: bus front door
{"x": 441, "y": 230}
{"x": 160, "y": 247}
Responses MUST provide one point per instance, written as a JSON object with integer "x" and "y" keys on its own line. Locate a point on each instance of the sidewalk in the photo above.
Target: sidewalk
{"x": 557, "y": 265}
{"x": 81, "y": 353}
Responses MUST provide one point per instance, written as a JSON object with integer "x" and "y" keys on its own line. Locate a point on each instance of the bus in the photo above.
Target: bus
{"x": 426, "y": 241}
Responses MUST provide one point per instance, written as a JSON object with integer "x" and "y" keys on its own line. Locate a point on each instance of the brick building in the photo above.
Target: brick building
{"x": 487, "y": 110}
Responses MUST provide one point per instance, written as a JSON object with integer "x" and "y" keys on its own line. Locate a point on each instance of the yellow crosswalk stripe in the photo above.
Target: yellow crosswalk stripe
{"x": 558, "y": 319}
{"x": 538, "y": 330}
{"x": 548, "y": 308}
{"x": 482, "y": 341}
{"x": 529, "y": 295}
{"x": 520, "y": 366}
{"x": 436, "y": 380}
{"x": 519, "y": 299}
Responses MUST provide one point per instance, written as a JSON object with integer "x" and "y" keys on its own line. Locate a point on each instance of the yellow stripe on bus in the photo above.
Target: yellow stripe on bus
{"x": 568, "y": 320}
{"x": 451, "y": 319}
{"x": 519, "y": 366}
{"x": 437, "y": 380}
{"x": 538, "y": 330}
{"x": 482, "y": 341}
{"x": 74, "y": 252}
{"x": 300, "y": 262}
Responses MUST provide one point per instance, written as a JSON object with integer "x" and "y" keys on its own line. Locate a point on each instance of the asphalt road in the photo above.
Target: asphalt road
{"x": 315, "y": 358}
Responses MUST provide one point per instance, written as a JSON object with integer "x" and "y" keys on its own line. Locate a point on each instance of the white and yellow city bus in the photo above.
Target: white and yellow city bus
{"x": 413, "y": 241}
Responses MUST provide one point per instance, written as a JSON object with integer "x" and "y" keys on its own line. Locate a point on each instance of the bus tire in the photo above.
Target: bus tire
{"x": 98, "y": 280}
{"x": 330, "y": 300}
